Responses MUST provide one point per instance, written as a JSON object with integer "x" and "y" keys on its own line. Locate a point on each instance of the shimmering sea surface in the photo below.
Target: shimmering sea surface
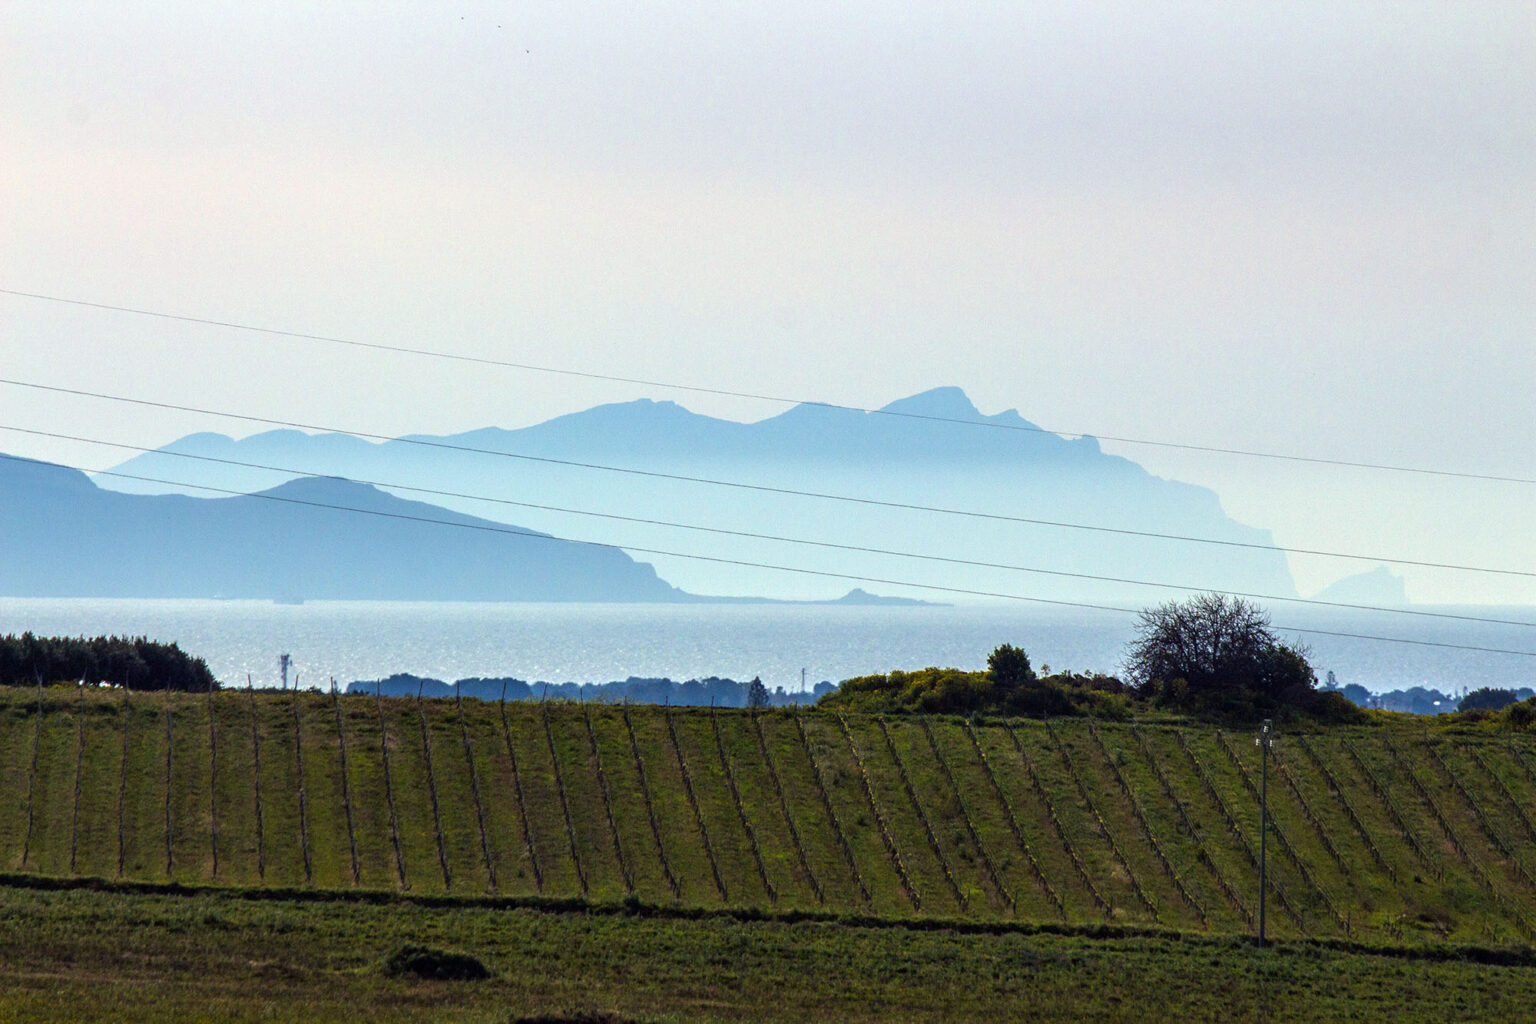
{"x": 557, "y": 643}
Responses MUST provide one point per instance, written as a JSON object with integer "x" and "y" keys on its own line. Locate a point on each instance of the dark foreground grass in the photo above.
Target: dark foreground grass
{"x": 90, "y": 955}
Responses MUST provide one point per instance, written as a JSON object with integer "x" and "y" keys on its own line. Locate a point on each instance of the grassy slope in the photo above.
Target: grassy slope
{"x": 1380, "y": 834}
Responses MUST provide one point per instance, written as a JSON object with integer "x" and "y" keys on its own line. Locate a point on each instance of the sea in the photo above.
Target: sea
{"x": 786, "y": 645}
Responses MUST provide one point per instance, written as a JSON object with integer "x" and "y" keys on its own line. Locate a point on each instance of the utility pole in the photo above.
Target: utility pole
{"x": 1265, "y": 740}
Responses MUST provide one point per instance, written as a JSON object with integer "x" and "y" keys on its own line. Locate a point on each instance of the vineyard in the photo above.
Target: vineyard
{"x": 1379, "y": 834}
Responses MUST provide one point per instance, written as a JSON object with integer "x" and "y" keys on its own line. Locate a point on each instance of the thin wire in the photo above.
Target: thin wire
{"x": 757, "y": 396}
{"x": 765, "y": 489}
{"x": 488, "y": 527}
{"x": 862, "y": 549}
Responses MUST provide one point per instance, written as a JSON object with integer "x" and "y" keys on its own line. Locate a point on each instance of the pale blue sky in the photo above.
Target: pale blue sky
{"x": 1305, "y": 228}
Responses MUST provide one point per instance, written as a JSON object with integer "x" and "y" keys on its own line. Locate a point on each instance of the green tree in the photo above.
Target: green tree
{"x": 757, "y": 694}
{"x": 1009, "y": 667}
{"x": 1219, "y": 654}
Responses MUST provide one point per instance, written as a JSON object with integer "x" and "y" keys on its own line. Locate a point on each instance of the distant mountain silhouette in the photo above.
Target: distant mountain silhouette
{"x": 62, "y": 536}
{"x": 1380, "y": 586}
{"x": 906, "y": 453}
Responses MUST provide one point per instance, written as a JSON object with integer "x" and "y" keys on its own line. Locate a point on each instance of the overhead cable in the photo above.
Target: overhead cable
{"x": 758, "y": 396}
{"x": 767, "y": 489}
{"x": 489, "y": 527}
{"x": 748, "y": 535}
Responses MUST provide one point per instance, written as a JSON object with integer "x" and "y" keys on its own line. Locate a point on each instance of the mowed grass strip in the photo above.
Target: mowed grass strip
{"x": 93, "y": 956}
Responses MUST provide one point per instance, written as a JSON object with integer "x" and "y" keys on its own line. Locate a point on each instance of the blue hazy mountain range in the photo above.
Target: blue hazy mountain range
{"x": 62, "y": 536}
{"x": 919, "y": 457}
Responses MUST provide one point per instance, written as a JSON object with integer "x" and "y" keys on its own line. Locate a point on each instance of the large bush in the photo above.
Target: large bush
{"x": 1217, "y": 655}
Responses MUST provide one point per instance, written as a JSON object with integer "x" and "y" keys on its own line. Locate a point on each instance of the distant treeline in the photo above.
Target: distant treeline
{"x": 135, "y": 662}
{"x": 1419, "y": 700}
{"x": 723, "y": 693}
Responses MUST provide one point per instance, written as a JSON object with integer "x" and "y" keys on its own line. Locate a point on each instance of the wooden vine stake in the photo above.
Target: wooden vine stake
{"x": 37, "y": 737}
{"x": 165, "y": 709}
{"x": 565, "y": 805}
{"x": 789, "y": 819}
{"x": 346, "y": 788}
{"x": 826, "y": 804}
{"x": 74, "y": 814}
{"x": 213, "y": 780}
{"x": 650, "y": 806}
{"x": 389, "y": 788}
{"x": 602, "y": 779}
{"x": 693, "y": 802}
{"x": 298, "y": 754}
{"x": 437, "y": 817}
{"x": 1013, "y": 821}
{"x": 522, "y": 805}
{"x": 741, "y": 810}
{"x": 261, "y": 826}
{"x": 122, "y": 786}
{"x": 922, "y": 817}
{"x": 474, "y": 790}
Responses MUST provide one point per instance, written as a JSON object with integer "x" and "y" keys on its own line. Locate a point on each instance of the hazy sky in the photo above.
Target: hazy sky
{"x": 1310, "y": 232}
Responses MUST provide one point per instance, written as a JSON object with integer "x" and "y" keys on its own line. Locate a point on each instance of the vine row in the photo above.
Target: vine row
{"x": 389, "y": 790}
{"x": 1233, "y": 827}
{"x": 826, "y": 803}
{"x": 693, "y": 802}
{"x": 1114, "y": 847}
{"x": 437, "y": 817}
{"x": 1140, "y": 815}
{"x": 517, "y": 789}
{"x": 1455, "y": 840}
{"x": 346, "y": 787}
{"x": 298, "y": 753}
{"x": 1190, "y": 829}
{"x": 1013, "y": 822}
{"x": 1393, "y": 810}
{"x": 885, "y": 833}
{"x": 1525, "y": 821}
{"x": 965, "y": 816}
{"x": 122, "y": 787}
{"x": 741, "y": 810}
{"x": 1289, "y": 778}
{"x": 74, "y": 814}
{"x": 213, "y": 784}
{"x": 37, "y": 739}
{"x": 1281, "y": 839}
{"x": 602, "y": 785}
{"x": 474, "y": 791}
{"x": 565, "y": 805}
{"x": 789, "y": 819}
{"x": 1056, "y": 824}
{"x": 650, "y": 806}
{"x": 261, "y": 826}
{"x": 922, "y": 817}
{"x": 1349, "y": 807}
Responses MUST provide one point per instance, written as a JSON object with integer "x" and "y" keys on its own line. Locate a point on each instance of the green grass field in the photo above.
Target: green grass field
{"x": 1381, "y": 836}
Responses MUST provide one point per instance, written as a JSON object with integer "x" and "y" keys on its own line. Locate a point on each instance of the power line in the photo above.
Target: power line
{"x": 766, "y": 489}
{"x": 760, "y": 397}
{"x": 748, "y": 535}
{"x": 489, "y": 527}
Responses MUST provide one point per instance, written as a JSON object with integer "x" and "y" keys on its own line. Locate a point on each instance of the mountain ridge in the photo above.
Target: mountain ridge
{"x": 662, "y": 455}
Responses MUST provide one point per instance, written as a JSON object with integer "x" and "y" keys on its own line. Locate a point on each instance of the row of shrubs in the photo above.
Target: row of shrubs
{"x": 135, "y": 662}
